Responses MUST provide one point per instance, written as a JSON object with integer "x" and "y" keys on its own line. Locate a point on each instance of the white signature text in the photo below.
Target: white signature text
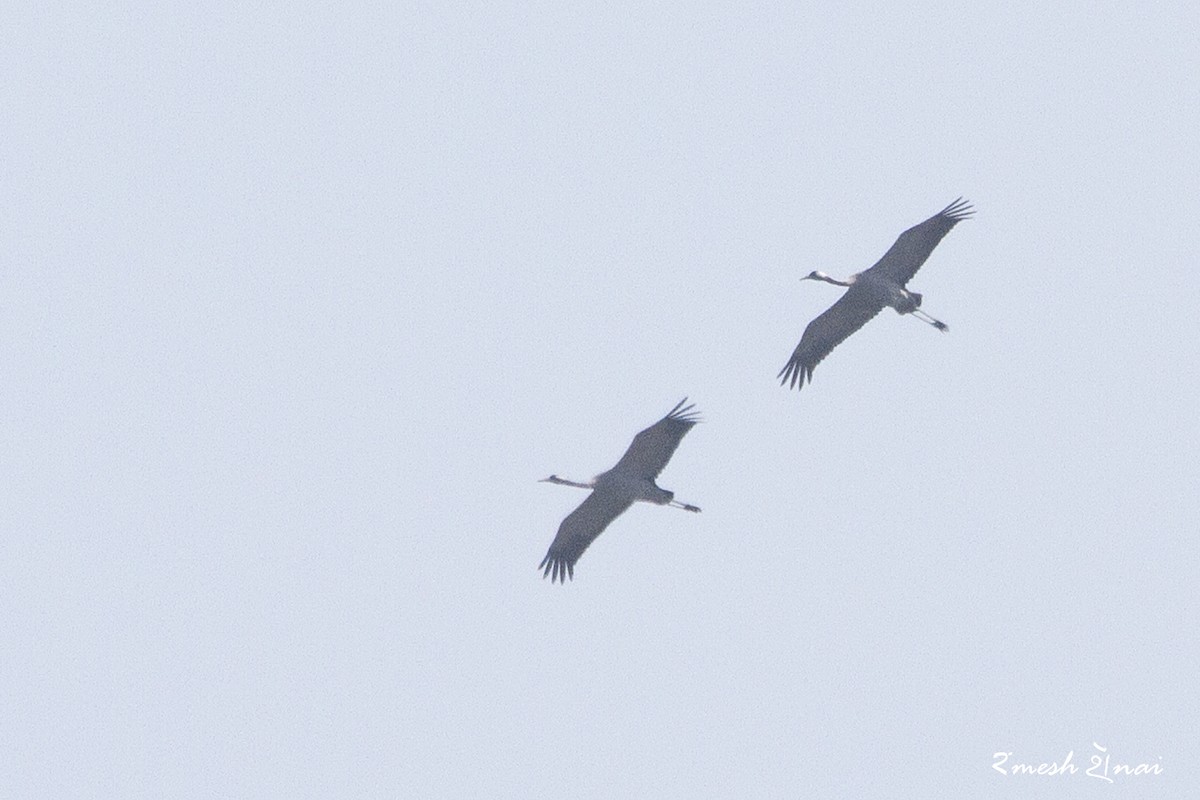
{"x": 1100, "y": 766}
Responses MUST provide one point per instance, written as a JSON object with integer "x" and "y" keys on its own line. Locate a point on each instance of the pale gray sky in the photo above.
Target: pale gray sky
{"x": 299, "y": 301}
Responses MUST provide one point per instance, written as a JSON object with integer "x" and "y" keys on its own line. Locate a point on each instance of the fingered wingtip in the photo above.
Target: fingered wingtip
{"x": 794, "y": 375}
{"x": 684, "y": 413}
{"x": 556, "y": 569}
{"x": 959, "y": 210}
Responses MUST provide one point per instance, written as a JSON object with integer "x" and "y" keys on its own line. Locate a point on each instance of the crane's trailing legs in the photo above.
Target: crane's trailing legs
{"x": 937, "y": 323}
{"x": 684, "y": 506}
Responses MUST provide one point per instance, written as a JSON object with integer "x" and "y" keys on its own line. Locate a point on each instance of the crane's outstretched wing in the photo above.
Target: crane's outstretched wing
{"x": 901, "y": 262}
{"x": 826, "y": 332}
{"x": 652, "y": 448}
{"x": 580, "y": 529}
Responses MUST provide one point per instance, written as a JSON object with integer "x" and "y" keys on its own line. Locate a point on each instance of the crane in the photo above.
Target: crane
{"x": 614, "y": 491}
{"x": 869, "y": 291}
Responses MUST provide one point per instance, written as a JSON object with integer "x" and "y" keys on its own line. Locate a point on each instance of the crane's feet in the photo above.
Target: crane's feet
{"x": 941, "y": 326}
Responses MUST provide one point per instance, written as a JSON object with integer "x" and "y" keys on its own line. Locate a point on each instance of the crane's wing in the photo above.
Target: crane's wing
{"x": 901, "y": 262}
{"x": 826, "y": 332}
{"x": 652, "y": 448}
{"x": 580, "y": 529}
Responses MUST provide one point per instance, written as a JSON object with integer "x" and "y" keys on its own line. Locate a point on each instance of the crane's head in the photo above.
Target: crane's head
{"x": 551, "y": 479}
{"x": 815, "y": 275}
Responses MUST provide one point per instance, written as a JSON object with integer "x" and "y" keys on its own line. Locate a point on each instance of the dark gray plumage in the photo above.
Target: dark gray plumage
{"x": 613, "y": 492}
{"x": 869, "y": 291}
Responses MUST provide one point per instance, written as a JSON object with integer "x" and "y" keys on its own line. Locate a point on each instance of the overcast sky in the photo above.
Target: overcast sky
{"x": 298, "y": 302}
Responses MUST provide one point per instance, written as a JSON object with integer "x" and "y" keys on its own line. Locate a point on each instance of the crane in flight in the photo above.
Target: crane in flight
{"x": 869, "y": 291}
{"x": 632, "y": 479}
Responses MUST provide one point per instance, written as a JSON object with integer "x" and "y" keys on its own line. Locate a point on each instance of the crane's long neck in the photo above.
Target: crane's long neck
{"x": 565, "y": 482}
{"x": 817, "y": 275}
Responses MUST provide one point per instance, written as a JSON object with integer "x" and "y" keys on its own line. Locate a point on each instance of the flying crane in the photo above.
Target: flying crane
{"x": 614, "y": 491}
{"x": 869, "y": 291}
